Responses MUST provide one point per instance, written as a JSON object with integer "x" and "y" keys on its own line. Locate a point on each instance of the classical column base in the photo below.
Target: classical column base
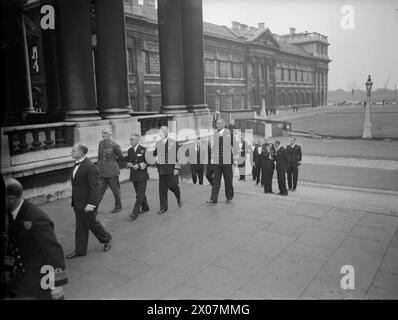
{"x": 198, "y": 108}
{"x": 174, "y": 109}
{"x": 367, "y": 131}
{"x": 115, "y": 113}
{"x": 82, "y": 115}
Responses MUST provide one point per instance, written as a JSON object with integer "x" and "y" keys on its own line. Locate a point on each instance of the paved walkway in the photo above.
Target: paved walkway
{"x": 259, "y": 247}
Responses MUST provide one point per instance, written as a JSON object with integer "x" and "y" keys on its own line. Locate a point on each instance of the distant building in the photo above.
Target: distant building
{"x": 245, "y": 67}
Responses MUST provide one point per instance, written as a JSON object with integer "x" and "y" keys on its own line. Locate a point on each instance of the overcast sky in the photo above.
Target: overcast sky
{"x": 370, "y": 48}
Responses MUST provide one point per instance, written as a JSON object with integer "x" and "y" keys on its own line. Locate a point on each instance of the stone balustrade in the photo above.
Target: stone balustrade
{"x": 23, "y": 139}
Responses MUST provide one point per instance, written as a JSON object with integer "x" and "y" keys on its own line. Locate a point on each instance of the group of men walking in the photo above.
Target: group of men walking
{"x": 89, "y": 182}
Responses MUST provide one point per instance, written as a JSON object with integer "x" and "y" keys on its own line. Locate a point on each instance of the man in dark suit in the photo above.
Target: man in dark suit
{"x": 209, "y": 166}
{"x": 281, "y": 166}
{"x": 109, "y": 157}
{"x": 85, "y": 199}
{"x": 257, "y": 161}
{"x": 33, "y": 251}
{"x": 268, "y": 165}
{"x": 294, "y": 157}
{"x": 168, "y": 168}
{"x": 243, "y": 153}
{"x": 197, "y": 166}
{"x": 138, "y": 175}
{"x": 222, "y": 166}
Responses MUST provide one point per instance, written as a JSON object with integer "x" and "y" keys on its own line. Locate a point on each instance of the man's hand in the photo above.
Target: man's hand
{"x": 136, "y": 166}
{"x": 129, "y": 165}
{"x": 176, "y": 172}
{"x": 57, "y": 293}
{"x": 89, "y": 208}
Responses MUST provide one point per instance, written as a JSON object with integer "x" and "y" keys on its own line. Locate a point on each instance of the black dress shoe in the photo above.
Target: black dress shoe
{"x": 133, "y": 216}
{"x": 116, "y": 210}
{"x": 107, "y": 246}
{"x": 73, "y": 255}
{"x": 294, "y": 189}
{"x": 229, "y": 201}
{"x": 211, "y": 201}
{"x": 162, "y": 211}
{"x": 284, "y": 194}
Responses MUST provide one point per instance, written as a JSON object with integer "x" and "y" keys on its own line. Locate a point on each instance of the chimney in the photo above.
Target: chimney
{"x": 292, "y": 30}
{"x": 235, "y": 25}
{"x": 261, "y": 25}
{"x": 252, "y": 29}
{"x": 243, "y": 27}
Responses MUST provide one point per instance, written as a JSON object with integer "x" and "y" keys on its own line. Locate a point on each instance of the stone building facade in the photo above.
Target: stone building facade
{"x": 246, "y": 68}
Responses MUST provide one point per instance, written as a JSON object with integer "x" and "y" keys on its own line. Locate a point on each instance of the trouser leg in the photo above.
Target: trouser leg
{"x": 209, "y": 173}
{"x": 228, "y": 176}
{"x": 173, "y": 186}
{"x": 102, "y": 186}
{"x": 216, "y": 182}
{"x": 140, "y": 187}
{"x": 289, "y": 177}
{"x": 115, "y": 187}
{"x": 295, "y": 177}
{"x": 163, "y": 192}
{"x": 97, "y": 228}
{"x": 193, "y": 173}
{"x": 200, "y": 168}
{"x": 81, "y": 232}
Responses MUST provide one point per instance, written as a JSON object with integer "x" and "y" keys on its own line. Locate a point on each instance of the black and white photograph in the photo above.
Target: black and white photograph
{"x": 232, "y": 151}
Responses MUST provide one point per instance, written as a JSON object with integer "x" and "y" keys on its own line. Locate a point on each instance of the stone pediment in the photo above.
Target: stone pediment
{"x": 265, "y": 38}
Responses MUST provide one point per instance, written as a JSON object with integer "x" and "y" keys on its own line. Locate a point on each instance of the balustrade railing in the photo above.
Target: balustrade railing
{"x": 23, "y": 139}
{"x": 152, "y": 121}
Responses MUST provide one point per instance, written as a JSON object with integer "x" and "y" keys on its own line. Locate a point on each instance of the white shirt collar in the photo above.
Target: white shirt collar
{"x": 165, "y": 140}
{"x": 81, "y": 160}
{"x": 293, "y": 145}
{"x": 15, "y": 212}
{"x": 221, "y": 132}
{"x": 135, "y": 148}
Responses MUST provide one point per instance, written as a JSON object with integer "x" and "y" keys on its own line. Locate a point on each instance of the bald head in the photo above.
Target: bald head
{"x": 79, "y": 150}
{"x": 14, "y": 192}
{"x": 13, "y": 188}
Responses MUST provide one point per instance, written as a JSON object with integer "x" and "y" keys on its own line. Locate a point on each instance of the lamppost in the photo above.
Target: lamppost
{"x": 367, "y": 126}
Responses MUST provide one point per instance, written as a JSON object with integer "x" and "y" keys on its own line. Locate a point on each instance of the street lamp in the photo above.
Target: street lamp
{"x": 367, "y": 126}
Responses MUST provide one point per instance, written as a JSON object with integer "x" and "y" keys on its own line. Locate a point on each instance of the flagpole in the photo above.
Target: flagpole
{"x": 30, "y": 108}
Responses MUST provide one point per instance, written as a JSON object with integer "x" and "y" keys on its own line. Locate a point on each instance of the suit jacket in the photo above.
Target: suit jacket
{"x": 109, "y": 156}
{"x": 243, "y": 153}
{"x": 268, "y": 156}
{"x": 137, "y": 158}
{"x": 33, "y": 243}
{"x": 281, "y": 158}
{"x": 257, "y": 159}
{"x": 226, "y": 136}
{"x": 85, "y": 185}
{"x": 162, "y": 152}
{"x": 294, "y": 155}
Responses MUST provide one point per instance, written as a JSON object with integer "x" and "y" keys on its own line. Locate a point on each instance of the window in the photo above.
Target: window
{"x": 223, "y": 69}
{"x": 210, "y": 70}
{"x": 147, "y": 63}
{"x": 237, "y": 70}
{"x": 253, "y": 71}
{"x": 130, "y": 61}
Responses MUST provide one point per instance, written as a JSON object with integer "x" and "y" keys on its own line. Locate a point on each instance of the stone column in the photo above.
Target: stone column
{"x": 326, "y": 86}
{"x": 171, "y": 56}
{"x": 192, "y": 26}
{"x": 249, "y": 100}
{"x": 111, "y": 60}
{"x": 75, "y": 60}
